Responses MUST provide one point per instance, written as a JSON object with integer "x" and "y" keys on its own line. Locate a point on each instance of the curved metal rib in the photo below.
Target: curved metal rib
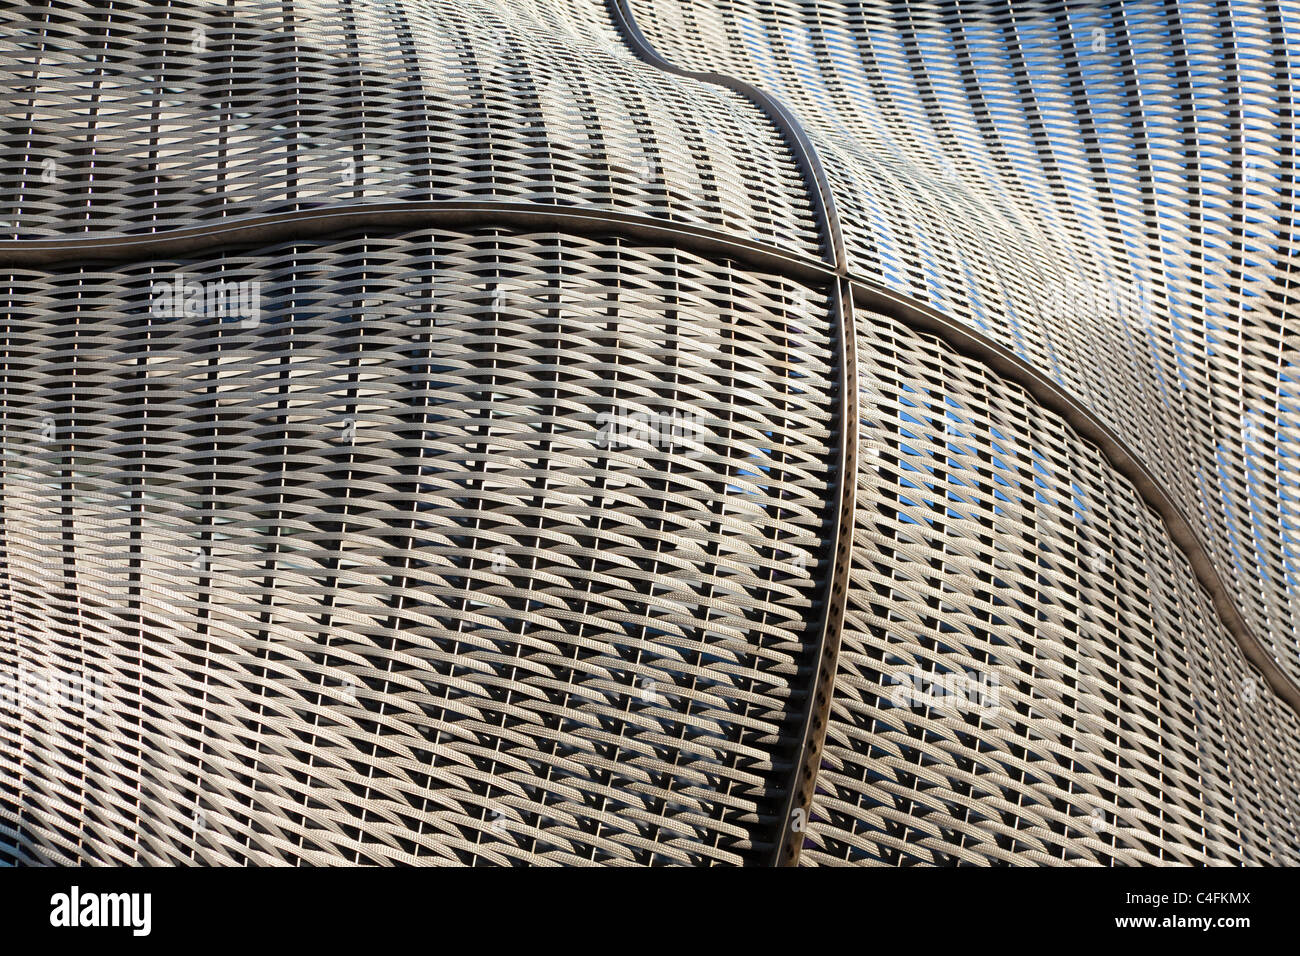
{"x": 810, "y": 164}
{"x": 800, "y": 791}
{"x": 966, "y": 341}
{"x": 973, "y": 344}
{"x": 331, "y": 220}
{"x": 816, "y": 720}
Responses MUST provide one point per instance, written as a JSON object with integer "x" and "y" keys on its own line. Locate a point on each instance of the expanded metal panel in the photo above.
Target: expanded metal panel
{"x": 1106, "y": 189}
{"x": 472, "y": 548}
{"x": 1028, "y": 671}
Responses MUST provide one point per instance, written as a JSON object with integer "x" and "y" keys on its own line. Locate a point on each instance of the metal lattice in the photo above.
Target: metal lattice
{"x": 724, "y": 432}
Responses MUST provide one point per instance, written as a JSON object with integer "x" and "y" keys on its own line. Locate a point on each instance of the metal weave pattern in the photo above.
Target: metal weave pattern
{"x": 381, "y": 580}
{"x": 1028, "y": 672}
{"x": 523, "y": 536}
{"x": 1107, "y": 190}
{"x": 128, "y": 118}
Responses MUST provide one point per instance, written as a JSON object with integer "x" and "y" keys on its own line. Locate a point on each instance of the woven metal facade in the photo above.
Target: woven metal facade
{"x": 649, "y": 432}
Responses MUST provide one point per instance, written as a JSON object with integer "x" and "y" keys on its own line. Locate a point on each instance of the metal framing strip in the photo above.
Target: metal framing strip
{"x": 332, "y": 220}
{"x": 799, "y": 793}
{"x": 809, "y": 163}
{"x": 966, "y": 341}
{"x": 817, "y": 719}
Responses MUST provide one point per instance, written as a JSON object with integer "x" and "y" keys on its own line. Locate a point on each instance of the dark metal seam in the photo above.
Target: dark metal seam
{"x": 965, "y": 341}
{"x": 810, "y": 164}
{"x": 1000, "y": 360}
{"x": 817, "y": 718}
{"x": 789, "y": 839}
{"x": 332, "y": 220}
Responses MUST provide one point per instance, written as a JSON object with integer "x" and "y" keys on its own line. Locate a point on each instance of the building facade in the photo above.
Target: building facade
{"x": 649, "y": 432}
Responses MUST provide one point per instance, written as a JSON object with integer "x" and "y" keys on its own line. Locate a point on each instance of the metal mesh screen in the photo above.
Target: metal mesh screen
{"x": 1107, "y": 190}
{"x": 1029, "y": 672}
{"x": 424, "y": 432}
{"x": 129, "y": 117}
{"x": 383, "y": 577}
